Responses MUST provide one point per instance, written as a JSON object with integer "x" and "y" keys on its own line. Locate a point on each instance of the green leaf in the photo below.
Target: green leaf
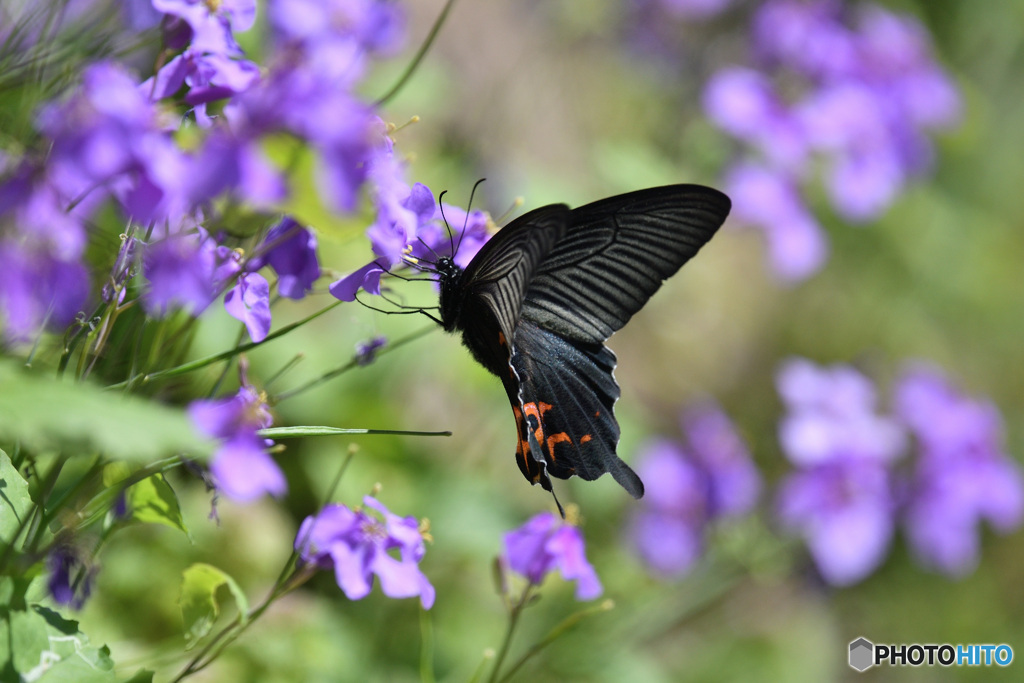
{"x": 39, "y": 644}
{"x": 46, "y": 414}
{"x": 153, "y": 501}
{"x": 15, "y": 502}
{"x": 149, "y": 501}
{"x": 199, "y": 606}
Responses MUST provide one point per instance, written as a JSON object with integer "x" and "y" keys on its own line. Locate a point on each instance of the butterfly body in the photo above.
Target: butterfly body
{"x": 536, "y": 304}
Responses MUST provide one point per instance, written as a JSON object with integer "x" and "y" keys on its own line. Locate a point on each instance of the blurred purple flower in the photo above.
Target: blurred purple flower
{"x": 232, "y": 164}
{"x": 841, "y": 499}
{"x": 962, "y": 475}
{"x": 862, "y": 92}
{"x": 359, "y": 546}
{"x": 769, "y": 200}
{"x": 401, "y": 210}
{"x": 249, "y": 301}
{"x": 38, "y": 289}
{"x": 299, "y": 100}
{"x": 546, "y": 543}
{"x": 241, "y": 467}
{"x": 180, "y": 271}
{"x": 106, "y": 139}
{"x": 366, "y": 352}
{"x": 337, "y": 35}
{"x": 831, "y": 416}
{"x": 292, "y": 254}
{"x": 71, "y": 579}
{"x": 742, "y": 102}
{"x": 688, "y": 489}
{"x": 212, "y": 23}
{"x": 845, "y": 511}
{"x": 734, "y": 483}
{"x": 209, "y": 77}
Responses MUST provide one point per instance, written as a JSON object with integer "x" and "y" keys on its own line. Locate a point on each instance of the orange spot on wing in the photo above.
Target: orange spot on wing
{"x": 501, "y": 338}
{"x": 585, "y": 438}
{"x": 554, "y": 440}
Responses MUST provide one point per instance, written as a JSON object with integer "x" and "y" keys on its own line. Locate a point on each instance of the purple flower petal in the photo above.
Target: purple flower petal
{"x": 249, "y": 301}
{"x": 243, "y": 471}
{"x": 366, "y": 278}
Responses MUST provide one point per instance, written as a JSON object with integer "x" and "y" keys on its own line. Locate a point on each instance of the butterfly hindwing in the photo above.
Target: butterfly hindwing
{"x": 615, "y": 255}
{"x": 563, "y": 400}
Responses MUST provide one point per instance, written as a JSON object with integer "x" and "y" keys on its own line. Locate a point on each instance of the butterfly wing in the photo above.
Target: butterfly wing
{"x": 615, "y": 255}
{"x": 572, "y": 429}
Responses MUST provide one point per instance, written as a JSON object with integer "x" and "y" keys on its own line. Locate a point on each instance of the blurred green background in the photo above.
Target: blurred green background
{"x": 542, "y": 99}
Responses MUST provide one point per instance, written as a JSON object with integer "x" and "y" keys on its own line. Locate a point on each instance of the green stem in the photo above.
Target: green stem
{"x": 352, "y": 363}
{"x": 209, "y": 360}
{"x": 411, "y": 69}
{"x": 567, "y": 624}
{"x": 514, "y": 614}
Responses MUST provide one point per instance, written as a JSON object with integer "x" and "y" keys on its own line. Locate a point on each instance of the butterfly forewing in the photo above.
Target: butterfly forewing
{"x": 615, "y": 255}
{"x": 495, "y": 282}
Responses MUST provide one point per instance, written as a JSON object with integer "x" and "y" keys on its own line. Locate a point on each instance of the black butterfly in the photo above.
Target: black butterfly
{"x": 536, "y": 304}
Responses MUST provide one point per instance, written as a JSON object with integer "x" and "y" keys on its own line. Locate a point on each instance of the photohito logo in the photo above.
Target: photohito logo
{"x": 864, "y": 654}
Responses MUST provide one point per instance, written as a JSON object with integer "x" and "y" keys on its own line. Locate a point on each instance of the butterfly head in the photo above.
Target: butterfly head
{"x": 449, "y": 277}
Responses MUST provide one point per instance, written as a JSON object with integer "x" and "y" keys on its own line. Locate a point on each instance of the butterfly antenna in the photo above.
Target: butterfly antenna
{"x": 440, "y": 205}
{"x": 408, "y": 311}
{"x": 469, "y": 207}
{"x": 431, "y": 250}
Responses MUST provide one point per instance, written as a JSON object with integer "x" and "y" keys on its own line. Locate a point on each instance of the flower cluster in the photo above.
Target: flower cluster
{"x": 689, "y": 488}
{"x": 846, "y": 497}
{"x": 358, "y": 546}
{"x": 853, "y": 91}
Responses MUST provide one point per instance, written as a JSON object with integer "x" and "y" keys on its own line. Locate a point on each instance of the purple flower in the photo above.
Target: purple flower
{"x": 668, "y": 529}
{"x": 962, "y": 475}
{"x": 359, "y": 546}
{"x": 844, "y": 510}
{"x": 831, "y": 416}
{"x": 769, "y": 200}
{"x": 180, "y": 272}
{"x": 401, "y": 210}
{"x": 71, "y": 579}
{"x": 336, "y": 35}
{"x": 291, "y": 252}
{"x": 841, "y": 498}
{"x": 38, "y": 289}
{"x": 106, "y": 139}
{"x": 249, "y": 301}
{"x": 688, "y": 489}
{"x": 241, "y": 467}
{"x": 209, "y": 77}
{"x": 545, "y": 543}
{"x": 862, "y": 91}
{"x": 366, "y": 352}
{"x": 212, "y": 23}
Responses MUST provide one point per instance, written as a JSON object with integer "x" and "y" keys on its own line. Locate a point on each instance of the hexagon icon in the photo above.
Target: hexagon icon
{"x": 862, "y": 654}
